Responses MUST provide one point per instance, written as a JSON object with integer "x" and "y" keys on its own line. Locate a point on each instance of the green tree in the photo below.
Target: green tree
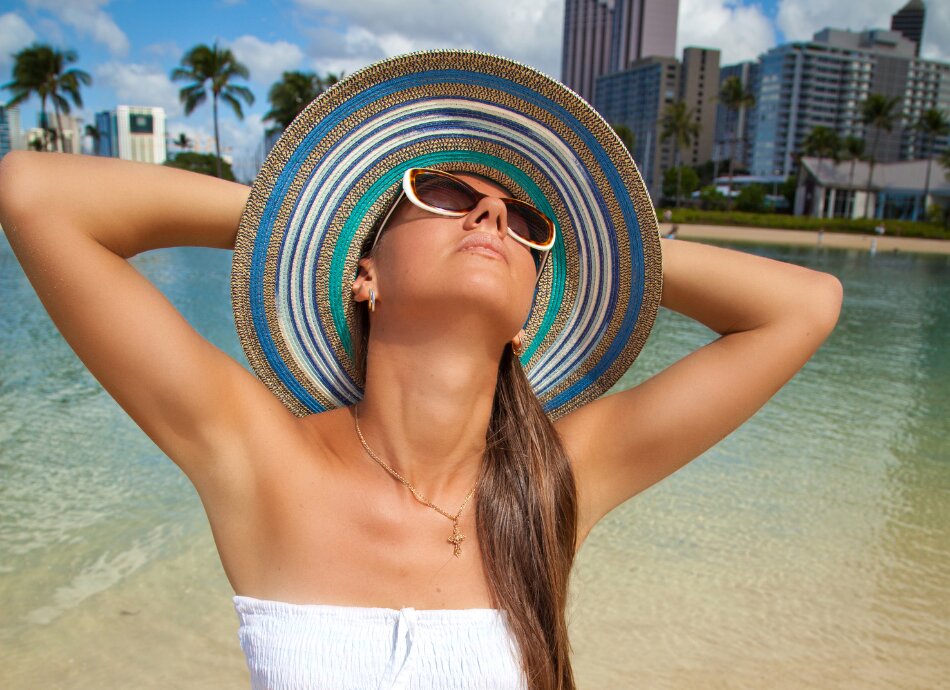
{"x": 821, "y": 142}
{"x": 679, "y": 124}
{"x": 212, "y": 69}
{"x": 853, "y": 149}
{"x": 877, "y": 112}
{"x": 735, "y": 98}
{"x": 42, "y": 70}
{"x": 751, "y": 198}
{"x": 788, "y": 189}
{"x": 626, "y": 135}
{"x": 182, "y": 142}
{"x": 93, "y": 133}
{"x": 711, "y": 198}
{"x": 933, "y": 123}
{"x": 203, "y": 163}
{"x": 292, "y": 93}
{"x": 682, "y": 179}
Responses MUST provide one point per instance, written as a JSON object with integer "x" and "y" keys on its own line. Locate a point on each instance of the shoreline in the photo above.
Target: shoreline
{"x": 808, "y": 238}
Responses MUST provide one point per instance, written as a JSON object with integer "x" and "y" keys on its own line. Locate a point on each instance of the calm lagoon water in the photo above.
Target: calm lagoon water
{"x": 809, "y": 549}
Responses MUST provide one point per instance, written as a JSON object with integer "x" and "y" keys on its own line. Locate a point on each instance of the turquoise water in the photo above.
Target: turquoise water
{"x": 809, "y": 549}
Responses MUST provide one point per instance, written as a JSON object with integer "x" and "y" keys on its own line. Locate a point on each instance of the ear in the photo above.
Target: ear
{"x": 365, "y": 279}
{"x": 519, "y": 342}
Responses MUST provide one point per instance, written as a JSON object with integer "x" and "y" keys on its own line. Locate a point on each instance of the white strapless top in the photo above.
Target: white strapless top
{"x": 317, "y": 647}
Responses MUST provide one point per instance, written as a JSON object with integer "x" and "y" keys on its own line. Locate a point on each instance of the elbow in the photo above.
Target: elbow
{"x": 824, "y": 306}
{"x": 17, "y": 180}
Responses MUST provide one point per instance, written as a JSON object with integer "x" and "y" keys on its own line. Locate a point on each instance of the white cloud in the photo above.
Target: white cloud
{"x": 164, "y": 49}
{"x": 527, "y": 30}
{"x": 15, "y": 34}
{"x": 244, "y": 141}
{"x": 50, "y": 30}
{"x": 89, "y": 19}
{"x": 740, "y": 31}
{"x": 241, "y": 140}
{"x": 140, "y": 85}
{"x": 265, "y": 60}
{"x": 937, "y": 32}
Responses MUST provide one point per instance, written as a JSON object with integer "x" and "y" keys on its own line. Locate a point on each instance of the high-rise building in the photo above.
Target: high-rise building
{"x": 637, "y": 97}
{"x": 699, "y": 86}
{"x": 134, "y": 133}
{"x": 9, "y": 130}
{"x": 824, "y": 82}
{"x": 928, "y": 87}
{"x": 604, "y": 36}
{"x": 735, "y": 129}
{"x": 909, "y": 21}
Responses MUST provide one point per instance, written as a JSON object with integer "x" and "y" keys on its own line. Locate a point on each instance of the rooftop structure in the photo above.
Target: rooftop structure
{"x": 909, "y": 21}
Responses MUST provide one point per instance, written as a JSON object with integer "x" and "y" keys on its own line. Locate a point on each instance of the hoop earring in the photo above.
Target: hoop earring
{"x": 372, "y": 299}
{"x": 518, "y": 344}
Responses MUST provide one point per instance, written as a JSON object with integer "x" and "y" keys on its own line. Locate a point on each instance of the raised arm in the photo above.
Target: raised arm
{"x": 72, "y": 222}
{"x": 771, "y": 316}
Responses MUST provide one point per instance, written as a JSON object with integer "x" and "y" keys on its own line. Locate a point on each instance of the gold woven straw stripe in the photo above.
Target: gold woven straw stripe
{"x": 395, "y": 68}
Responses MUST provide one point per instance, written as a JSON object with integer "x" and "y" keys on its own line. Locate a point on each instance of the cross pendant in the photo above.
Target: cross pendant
{"x": 456, "y": 540}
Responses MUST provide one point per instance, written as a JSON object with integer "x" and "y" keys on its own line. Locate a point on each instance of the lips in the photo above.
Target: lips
{"x": 484, "y": 243}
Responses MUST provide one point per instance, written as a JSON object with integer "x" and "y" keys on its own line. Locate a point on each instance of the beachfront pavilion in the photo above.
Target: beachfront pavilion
{"x": 897, "y": 189}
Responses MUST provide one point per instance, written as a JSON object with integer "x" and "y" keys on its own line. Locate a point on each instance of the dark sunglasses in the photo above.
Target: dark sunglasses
{"x": 447, "y": 195}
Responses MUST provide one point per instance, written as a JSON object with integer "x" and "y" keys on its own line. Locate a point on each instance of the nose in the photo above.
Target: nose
{"x": 490, "y": 211}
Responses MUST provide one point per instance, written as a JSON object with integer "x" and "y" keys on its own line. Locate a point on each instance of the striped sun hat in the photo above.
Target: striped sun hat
{"x": 338, "y": 168}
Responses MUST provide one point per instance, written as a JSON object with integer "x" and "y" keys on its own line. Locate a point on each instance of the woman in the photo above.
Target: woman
{"x": 334, "y": 528}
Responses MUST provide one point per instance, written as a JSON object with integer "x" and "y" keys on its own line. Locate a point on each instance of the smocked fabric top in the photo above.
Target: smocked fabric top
{"x": 317, "y": 647}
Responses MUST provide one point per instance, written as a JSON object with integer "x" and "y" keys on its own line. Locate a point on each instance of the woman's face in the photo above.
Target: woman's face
{"x": 426, "y": 264}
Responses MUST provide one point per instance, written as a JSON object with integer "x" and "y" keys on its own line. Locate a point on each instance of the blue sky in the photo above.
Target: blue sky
{"x": 130, "y": 46}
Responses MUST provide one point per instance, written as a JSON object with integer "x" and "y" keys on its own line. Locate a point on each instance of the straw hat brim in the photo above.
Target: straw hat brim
{"x": 338, "y": 167}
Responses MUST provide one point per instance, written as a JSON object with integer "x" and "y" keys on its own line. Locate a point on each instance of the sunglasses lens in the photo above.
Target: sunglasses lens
{"x": 529, "y": 224}
{"x": 448, "y": 193}
{"x": 443, "y": 192}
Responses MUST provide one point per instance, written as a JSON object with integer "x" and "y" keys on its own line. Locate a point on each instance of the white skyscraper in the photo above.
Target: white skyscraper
{"x": 133, "y": 133}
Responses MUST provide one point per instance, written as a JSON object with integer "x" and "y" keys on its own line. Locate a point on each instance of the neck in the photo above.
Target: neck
{"x": 426, "y": 408}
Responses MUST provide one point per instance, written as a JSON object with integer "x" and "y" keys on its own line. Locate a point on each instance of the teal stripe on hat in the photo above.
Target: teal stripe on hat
{"x": 393, "y": 177}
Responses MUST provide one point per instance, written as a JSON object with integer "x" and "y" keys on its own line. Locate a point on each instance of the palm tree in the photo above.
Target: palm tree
{"x": 289, "y": 96}
{"x": 626, "y": 136}
{"x": 821, "y": 142}
{"x": 933, "y": 123}
{"x": 734, "y": 98}
{"x": 218, "y": 68}
{"x": 182, "y": 142}
{"x": 40, "y": 69}
{"x": 877, "y": 112}
{"x": 853, "y": 148}
{"x": 93, "y": 133}
{"x": 677, "y": 123}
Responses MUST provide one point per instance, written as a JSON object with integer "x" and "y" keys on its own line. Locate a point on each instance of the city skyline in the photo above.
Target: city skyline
{"x": 130, "y": 48}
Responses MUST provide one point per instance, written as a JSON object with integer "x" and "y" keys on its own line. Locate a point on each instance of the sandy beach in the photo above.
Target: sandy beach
{"x": 808, "y": 238}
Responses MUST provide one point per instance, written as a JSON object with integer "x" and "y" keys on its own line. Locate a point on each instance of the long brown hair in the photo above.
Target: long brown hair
{"x": 526, "y": 516}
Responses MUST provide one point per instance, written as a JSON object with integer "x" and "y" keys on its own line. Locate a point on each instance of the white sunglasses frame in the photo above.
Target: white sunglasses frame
{"x": 408, "y": 193}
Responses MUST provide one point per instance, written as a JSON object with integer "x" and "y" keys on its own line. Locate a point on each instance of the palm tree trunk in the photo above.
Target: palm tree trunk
{"x": 679, "y": 176}
{"x": 851, "y": 189}
{"x": 867, "y": 190}
{"x": 930, "y": 153}
{"x": 59, "y": 129}
{"x": 217, "y": 141}
{"x": 816, "y": 210}
{"x": 45, "y": 123}
{"x": 732, "y": 156}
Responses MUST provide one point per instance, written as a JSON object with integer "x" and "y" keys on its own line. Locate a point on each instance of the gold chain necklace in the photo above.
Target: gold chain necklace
{"x": 457, "y": 537}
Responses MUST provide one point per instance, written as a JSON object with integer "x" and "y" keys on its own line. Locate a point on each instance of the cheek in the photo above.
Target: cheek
{"x": 526, "y": 272}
